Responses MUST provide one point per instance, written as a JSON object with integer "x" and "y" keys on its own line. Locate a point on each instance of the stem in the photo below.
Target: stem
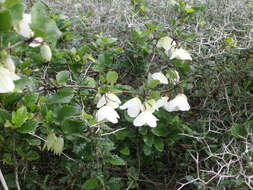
{"x": 3, "y": 181}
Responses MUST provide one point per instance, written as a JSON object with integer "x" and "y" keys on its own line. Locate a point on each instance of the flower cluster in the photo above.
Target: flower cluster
{"x": 171, "y": 50}
{"x": 141, "y": 112}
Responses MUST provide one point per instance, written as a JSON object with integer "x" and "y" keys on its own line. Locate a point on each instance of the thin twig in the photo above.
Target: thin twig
{"x": 3, "y": 181}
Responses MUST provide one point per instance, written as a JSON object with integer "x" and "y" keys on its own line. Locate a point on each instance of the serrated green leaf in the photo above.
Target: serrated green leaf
{"x": 159, "y": 144}
{"x": 160, "y": 130}
{"x": 28, "y": 127}
{"x": 19, "y": 117}
{"x": 61, "y": 97}
{"x": 4, "y": 115}
{"x": 116, "y": 161}
{"x": 125, "y": 151}
{"x": 62, "y": 77}
{"x": 112, "y": 77}
{"x": 42, "y": 24}
{"x": 90, "y": 184}
{"x": 153, "y": 83}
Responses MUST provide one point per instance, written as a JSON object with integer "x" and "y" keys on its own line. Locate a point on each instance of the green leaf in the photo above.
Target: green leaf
{"x": 10, "y": 3}
{"x": 5, "y": 20}
{"x": 90, "y": 184}
{"x": 62, "y": 77}
{"x": 160, "y": 131}
{"x": 32, "y": 155}
{"x": 17, "y": 11}
{"x": 66, "y": 111}
{"x": 29, "y": 127}
{"x": 125, "y": 151}
{"x": 116, "y": 161}
{"x": 159, "y": 145}
{"x": 19, "y": 117}
{"x": 61, "y": 97}
{"x": 42, "y": 24}
{"x": 238, "y": 130}
{"x": 30, "y": 100}
{"x": 148, "y": 140}
{"x": 112, "y": 77}
{"x": 4, "y": 115}
{"x": 153, "y": 83}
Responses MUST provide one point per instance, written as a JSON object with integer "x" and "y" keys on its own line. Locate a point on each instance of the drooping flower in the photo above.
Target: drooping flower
{"x": 23, "y": 27}
{"x": 161, "y": 102}
{"x": 45, "y": 52}
{"x": 145, "y": 118}
{"x": 179, "y": 103}
{"x": 161, "y": 77}
{"x": 174, "y": 76}
{"x": 166, "y": 43}
{"x": 36, "y": 42}
{"x": 181, "y": 54}
{"x": 107, "y": 113}
{"x": 109, "y": 99}
{"x": 6, "y": 80}
{"x": 9, "y": 64}
{"x": 133, "y": 106}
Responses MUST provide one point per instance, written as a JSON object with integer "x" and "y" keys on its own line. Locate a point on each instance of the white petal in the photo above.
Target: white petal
{"x": 133, "y": 106}
{"x": 23, "y": 27}
{"x": 161, "y": 77}
{"x": 166, "y": 43}
{"x": 179, "y": 103}
{"x": 162, "y": 101}
{"x": 107, "y": 113}
{"x": 101, "y": 102}
{"x": 180, "y": 54}
{"x": 9, "y": 64}
{"x": 145, "y": 118}
{"x": 36, "y": 42}
{"x": 6, "y": 82}
{"x": 112, "y": 100}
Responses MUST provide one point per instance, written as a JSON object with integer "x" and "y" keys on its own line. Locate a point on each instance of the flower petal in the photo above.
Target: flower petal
{"x": 161, "y": 77}
{"x": 107, "y": 113}
{"x": 133, "y": 106}
{"x": 179, "y": 103}
{"x": 180, "y": 54}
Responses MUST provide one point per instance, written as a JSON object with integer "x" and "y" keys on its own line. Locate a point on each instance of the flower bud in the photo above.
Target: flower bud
{"x": 45, "y": 52}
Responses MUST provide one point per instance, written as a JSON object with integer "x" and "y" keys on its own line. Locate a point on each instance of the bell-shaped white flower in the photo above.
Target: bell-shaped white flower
{"x": 109, "y": 99}
{"x": 166, "y": 43}
{"x": 45, "y": 52}
{"x": 133, "y": 106}
{"x": 179, "y": 103}
{"x": 162, "y": 101}
{"x": 6, "y": 80}
{"x": 180, "y": 54}
{"x": 174, "y": 76}
{"x": 36, "y": 42}
{"x": 23, "y": 27}
{"x": 161, "y": 77}
{"x": 107, "y": 113}
{"x": 9, "y": 64}
{"x": 145, "y": 118}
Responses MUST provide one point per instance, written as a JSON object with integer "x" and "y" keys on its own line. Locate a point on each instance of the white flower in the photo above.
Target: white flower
{"x": 180, "y": 54}
{"x": 174, "y": 76}
{"x": 45, "y": 52}
{"x": 6, "y": 80}
{"x": 9, "y": 64}
{"x": 109, "y": 99}
{"x": 179, "y": 103}
{"x": 166, "y": 43}
{"x": 161, "y": 102}
{"x": 23, "y": 27}
{"x": 145, "y": 118}
{"x": 133, "y": 106}
{"x": 107, "y": 113}
{"x": 161, "y": 77}
{"x": 36, "y": 42}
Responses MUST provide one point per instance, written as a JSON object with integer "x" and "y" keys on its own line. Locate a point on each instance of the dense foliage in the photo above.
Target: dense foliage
{"x": 63, "y": 123}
